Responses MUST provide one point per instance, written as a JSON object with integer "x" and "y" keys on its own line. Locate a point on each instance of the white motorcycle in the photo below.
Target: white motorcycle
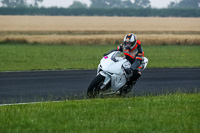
{"x": 111, "y": 78}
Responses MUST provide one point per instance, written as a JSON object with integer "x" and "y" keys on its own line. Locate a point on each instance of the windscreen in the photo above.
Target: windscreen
{"x": 117, "y": 56}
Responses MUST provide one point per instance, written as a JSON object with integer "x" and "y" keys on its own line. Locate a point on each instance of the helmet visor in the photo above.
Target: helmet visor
{"x": 128, "y": 45}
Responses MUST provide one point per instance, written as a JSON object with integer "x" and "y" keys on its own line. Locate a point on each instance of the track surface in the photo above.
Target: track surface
{"x": 37, "y": 86}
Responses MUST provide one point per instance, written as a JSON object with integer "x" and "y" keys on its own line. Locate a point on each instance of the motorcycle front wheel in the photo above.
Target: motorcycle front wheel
{"x": 94, "y": 87}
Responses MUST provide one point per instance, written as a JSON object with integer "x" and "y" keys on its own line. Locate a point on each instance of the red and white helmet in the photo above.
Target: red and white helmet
{"x": 130, "y": 41}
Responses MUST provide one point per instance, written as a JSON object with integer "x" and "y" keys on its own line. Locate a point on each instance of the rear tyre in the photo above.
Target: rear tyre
{"x": 94, "y": 87}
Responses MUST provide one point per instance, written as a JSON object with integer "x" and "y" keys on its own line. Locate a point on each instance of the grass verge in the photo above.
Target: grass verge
{"x": 165, "y": 113}
{"x": 20, "y": 57}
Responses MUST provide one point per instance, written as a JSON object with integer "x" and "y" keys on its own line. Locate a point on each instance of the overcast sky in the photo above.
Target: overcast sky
{"x": 66, "y": 3}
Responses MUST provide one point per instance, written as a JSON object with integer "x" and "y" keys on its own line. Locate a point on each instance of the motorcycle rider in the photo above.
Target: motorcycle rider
{"x": 131, "y": 47}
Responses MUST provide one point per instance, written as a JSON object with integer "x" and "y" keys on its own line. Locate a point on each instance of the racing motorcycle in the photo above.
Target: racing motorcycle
{"x": 111, "y": 78}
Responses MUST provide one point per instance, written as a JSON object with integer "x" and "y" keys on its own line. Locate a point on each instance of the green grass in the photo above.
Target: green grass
{"x": 173, "y": 56}
{"x": 19, "y": 57}
{"x": 160, "y": 114}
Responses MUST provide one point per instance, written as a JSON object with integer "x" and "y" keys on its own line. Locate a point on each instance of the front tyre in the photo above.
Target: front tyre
{"x": 94, "y": 87}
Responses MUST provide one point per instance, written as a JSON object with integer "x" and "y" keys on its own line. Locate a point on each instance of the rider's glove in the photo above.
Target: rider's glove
{"x": 136, "y": 73}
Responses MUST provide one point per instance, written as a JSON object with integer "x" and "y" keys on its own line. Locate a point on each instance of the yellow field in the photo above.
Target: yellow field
{"x": 99, "y": 30}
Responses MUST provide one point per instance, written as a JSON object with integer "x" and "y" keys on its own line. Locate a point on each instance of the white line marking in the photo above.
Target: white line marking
{"x": 29, "y": 103}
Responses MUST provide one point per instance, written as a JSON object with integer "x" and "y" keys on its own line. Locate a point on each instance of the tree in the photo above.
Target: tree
{"x": 78, "y": 4}
{"x": 173, "y": 5}
{"x": 14, "y": 3}
{"x": 185, "y": 4}
{"x": 127, "y": 4}
{"x": 19, "y": 3}
{"x": 36, "y": 2}
{"x": 111, "y": 3}
{"x": 119, "y": 3}
{"x": 142, "y": 4}
{"x": 103, "y": 3}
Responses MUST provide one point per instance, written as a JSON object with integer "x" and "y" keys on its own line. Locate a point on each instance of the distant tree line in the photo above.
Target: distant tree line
{"x": 105, "y": 4}
{"x": 145, "y": 12}
{"x": 136, "y": 4}
{"x": 185, "y": 4}
{"x": 120, "y": 4}
{"x": 20, "y": 3}
{"x": 183, "y": 8}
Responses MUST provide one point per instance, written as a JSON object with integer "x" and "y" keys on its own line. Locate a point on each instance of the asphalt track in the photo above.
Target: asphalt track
{"x": 36, "y": 86}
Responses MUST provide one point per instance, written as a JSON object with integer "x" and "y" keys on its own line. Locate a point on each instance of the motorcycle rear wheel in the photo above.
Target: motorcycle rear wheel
{"x": 94, "y": 87}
